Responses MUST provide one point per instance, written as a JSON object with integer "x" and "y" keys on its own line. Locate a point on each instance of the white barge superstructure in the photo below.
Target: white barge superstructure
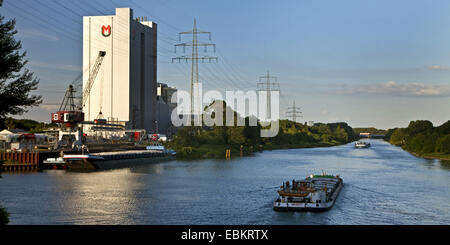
{"x": 315, "y": 193}
{"x": 362, "y": 144}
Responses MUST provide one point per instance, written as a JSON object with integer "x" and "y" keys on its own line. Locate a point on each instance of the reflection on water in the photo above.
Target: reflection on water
{"x": 99, "y": 197}
{"x": 382, "y": 185}
{"x": 445, "y": 164}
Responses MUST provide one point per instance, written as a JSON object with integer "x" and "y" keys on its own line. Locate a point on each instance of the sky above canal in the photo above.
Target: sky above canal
{"x": 369, "y": 63}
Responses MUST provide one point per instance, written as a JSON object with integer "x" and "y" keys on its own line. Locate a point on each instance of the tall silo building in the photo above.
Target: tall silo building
{"x": 125, "y": 87}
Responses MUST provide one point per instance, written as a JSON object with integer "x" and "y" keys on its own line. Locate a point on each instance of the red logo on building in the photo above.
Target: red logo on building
{"x": 106, "y": 31}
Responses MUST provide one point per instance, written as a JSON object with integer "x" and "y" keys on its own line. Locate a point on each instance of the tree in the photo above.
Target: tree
{"x": 398, "y": 136}
{"x": 443, "y": 145}
{"x": 419, "y": 126}
{"x": 10, "y": 123}
{"x": 444, "y": 128}
{"x": 16, "y": 81}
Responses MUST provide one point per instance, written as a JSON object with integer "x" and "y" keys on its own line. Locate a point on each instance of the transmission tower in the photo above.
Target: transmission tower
{"x": 293, "y": 112}
{"x": 194, "y": 58}
{"x": 268, "y": 86}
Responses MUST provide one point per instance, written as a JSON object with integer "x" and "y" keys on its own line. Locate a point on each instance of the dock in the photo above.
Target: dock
{"x": 33, "y": 161}
{"x": 23, "y": 161}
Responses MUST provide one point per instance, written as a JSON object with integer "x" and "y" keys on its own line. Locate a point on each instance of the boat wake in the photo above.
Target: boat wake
{"x": 369, "y": 190}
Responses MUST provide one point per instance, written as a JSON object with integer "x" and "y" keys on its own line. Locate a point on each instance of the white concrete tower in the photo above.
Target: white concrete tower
{"x": 125, "y": 87}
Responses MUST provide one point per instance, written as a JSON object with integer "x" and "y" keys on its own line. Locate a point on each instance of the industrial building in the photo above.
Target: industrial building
{"x": 125, "y": 87}
{"x": 165, "y": 108}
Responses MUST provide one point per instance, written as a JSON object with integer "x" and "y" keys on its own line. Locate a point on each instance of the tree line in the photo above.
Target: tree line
{"x": 211, "y": 142}
{"x": 27, "y": 125}
{"x": 422, "y": 138}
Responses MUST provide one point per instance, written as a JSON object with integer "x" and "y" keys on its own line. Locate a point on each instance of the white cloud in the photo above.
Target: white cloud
{"x": 325, "y": 112}
{"x": 398, "y": 89}
{"x": 439, "y": 68}
{"x": 55, "y": 66}
{"x": 35, "y": 34}
{"x": 49, "y": 107}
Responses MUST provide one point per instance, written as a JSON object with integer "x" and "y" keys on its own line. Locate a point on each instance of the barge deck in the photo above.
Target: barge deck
{"x": 315, "y": 193}
{"x": 117, "y": 159}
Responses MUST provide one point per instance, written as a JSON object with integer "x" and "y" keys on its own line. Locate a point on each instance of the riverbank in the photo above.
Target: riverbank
{"x": 438, "y": 156}
{"x": 208, "y": 151}
{"x": 422, "y": 139}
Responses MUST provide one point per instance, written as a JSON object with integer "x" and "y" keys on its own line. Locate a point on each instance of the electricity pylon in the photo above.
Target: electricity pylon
{"x": 194, "y": 58}
{"x": 268, "y": 86}
{"x": 293, "y": 112}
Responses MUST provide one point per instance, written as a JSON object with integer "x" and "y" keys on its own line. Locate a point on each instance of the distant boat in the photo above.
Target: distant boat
{"x": 362, "y": 144}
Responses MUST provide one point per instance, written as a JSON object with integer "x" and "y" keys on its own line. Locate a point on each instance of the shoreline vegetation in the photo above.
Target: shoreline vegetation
{"x": 438, "y": 156}
{"x": 193, "y": 143}
{"x": 422, "y": 139}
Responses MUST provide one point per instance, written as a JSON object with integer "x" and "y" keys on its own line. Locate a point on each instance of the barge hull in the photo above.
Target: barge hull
{"x": 124, "y": 163}
{"x": 114, "y": 160}
{"x": 85, "y": 165}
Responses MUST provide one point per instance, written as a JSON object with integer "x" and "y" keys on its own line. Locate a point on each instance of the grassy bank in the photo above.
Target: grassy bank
{"x": 208, "y": 151}
{"x": 439, "y": 156}
{"x": 302, "y": 145}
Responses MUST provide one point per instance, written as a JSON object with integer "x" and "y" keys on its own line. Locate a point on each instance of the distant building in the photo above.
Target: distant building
{"x": 125, "y": 86}
{"x": 8, "y": 136}
{"x": 11, "y": 131}
{"x": 370, "y": 135}
{"x": 18, "y": 139}
{"x": 164, "y": 109}
{"x": 166, "y": 92}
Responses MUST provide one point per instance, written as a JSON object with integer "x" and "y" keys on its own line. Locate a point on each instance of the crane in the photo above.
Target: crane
{"x": 70, "y": 117}
{"x": 68, "y": 114}
{"x": 92, "y": 76}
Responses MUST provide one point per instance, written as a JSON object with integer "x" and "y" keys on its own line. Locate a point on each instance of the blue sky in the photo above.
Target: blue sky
{"x": 369, "y": 63}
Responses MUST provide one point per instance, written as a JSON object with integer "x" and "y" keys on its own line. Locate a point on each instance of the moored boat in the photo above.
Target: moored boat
{"x": 115, "y": 159}
{"x": 315, "y": 193}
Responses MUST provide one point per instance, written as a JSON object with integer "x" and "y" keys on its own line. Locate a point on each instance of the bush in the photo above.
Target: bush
{"x": 429, "y": 144}
{"x": 4, "y": 217}
{"x": 416, "y": 143}
{"x": 443, "y": 145}
{"x": 398, "y": 137}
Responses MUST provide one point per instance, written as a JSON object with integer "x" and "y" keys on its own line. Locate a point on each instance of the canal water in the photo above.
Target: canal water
{"x": 382, "y": 185}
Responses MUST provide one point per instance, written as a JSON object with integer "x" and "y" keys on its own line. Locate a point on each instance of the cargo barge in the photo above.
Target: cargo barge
{"x": 111, "y": 159}
{"x": 315, "y": 193}
{"x": 362, "y": 144}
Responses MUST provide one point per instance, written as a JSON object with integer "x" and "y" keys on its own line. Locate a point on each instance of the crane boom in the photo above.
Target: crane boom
{"x": 92, "y": 76}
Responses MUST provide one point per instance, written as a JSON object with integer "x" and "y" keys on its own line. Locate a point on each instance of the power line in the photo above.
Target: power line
{"x": 293, "y": 112}
{"x": 237, "y": 80}
{"x": 194, "y": 58}
{"x": 268, "y": 86}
